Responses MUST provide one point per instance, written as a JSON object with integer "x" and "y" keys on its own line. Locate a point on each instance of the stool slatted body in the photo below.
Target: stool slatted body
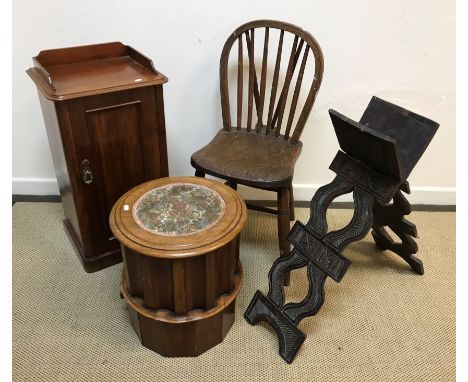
{"x": 182, "y": 274}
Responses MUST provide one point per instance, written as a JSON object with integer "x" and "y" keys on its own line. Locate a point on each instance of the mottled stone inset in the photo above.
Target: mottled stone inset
{"x": 178, "y": 209}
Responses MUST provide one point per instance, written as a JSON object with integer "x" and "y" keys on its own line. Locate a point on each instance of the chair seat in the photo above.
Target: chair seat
{"x": 249, "y": 158}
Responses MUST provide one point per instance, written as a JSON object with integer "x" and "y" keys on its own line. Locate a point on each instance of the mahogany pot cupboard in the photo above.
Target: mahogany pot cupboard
{"x": 104, "y": 115}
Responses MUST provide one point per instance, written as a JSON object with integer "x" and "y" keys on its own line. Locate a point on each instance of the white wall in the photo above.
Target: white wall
{"x": 402, "y": 51}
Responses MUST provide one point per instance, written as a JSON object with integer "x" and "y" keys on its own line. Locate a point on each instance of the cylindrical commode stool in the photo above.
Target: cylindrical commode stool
{"x": 182, "y": 274}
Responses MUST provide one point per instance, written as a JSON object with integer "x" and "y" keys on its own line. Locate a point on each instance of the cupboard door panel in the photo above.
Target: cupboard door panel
{"x": 116, "y": 143}
{"x": 118, "y": 135}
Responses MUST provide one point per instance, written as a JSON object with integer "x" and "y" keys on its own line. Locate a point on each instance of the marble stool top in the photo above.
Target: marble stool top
{"x": 178, "y": 209}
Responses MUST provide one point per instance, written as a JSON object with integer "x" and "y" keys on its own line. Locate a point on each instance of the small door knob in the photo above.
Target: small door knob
{"x": 86, "y": 171}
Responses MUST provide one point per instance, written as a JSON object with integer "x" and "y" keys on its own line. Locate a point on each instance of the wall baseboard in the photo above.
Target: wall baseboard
{"x": 305, "y": 192}
{"x": 35, "y": 186}
{"x": 302, "y": 192}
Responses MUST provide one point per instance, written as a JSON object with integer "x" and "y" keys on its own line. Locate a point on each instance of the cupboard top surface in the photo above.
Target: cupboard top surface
{"x": 67, "y": 73}
{"x": 222, "y": 224}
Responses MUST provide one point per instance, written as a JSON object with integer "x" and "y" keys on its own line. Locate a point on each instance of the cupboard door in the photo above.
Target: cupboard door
{"x": 117, "y": 143}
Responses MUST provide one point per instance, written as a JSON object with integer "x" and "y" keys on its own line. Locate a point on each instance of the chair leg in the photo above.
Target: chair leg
{"x": 199, "y": 173}
{"x": 291, "y": 202}
{"x": 231, "y": 184}
{"x": 283, "y": 225}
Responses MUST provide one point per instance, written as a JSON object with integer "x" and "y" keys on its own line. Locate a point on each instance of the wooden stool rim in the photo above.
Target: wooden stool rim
{"x": 131, "y": 235}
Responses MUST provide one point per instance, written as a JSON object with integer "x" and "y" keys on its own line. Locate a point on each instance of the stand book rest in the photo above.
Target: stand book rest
{"x": 378, "y": 155}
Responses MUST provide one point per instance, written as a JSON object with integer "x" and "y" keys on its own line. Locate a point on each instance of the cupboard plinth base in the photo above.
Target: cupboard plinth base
{"x": 95, "y": 263}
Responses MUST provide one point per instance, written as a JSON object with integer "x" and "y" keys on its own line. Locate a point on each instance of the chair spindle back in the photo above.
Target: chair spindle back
{"x": 270, "y": 117}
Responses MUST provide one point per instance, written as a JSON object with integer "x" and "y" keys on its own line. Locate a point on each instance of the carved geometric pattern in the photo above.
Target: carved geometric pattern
{"x": 280, "y": 267}
{"x": 314, "y": 299}
{"x": 381, "y": 187}
{"x": 331, "y": 263}
{"x": 359, "y": 225}
{"x": 322, "y": 200}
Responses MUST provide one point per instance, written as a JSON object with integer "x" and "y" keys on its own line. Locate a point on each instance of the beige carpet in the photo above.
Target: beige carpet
{"x": 381, "y": 323}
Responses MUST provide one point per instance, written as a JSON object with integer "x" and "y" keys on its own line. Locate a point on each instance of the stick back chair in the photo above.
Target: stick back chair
{"x": 261, "y": 150}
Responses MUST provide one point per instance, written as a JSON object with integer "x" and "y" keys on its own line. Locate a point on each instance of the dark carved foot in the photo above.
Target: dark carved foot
{"x": 393, "y": 217}
{"x": 290, "y": 338}
{"x": 405, "y": 249}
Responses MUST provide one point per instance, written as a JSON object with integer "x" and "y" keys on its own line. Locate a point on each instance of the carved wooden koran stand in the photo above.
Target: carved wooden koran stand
{"x": 379, "y": 153}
